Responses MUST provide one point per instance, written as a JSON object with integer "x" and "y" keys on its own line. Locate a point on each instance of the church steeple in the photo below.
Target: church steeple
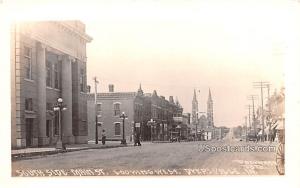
{"x": 194, "y": 109}
{"x": 140, "y": 91}
{"x": 194, "y": 97}
{"x": 209, "y": 95}
{"x": 210, "y": 110}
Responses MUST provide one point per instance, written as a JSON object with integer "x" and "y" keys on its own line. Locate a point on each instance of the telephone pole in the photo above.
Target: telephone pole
{"x": 96, "y": 118}
{"x": 261, "y": 85}
{"x": 269, "y": 113}
{"x": 246, "y": 128}
{"x": 252, "y": 98}
{"x": 249, "y": 117}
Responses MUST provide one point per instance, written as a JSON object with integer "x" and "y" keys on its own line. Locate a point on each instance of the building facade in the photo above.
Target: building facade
{"x": 109, "y": 107}
{"x": 48, "y": 61}
{"x": 148, "y": 114}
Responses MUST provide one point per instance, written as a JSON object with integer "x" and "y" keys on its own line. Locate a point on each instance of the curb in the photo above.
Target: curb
{"x": 22, "y": 156}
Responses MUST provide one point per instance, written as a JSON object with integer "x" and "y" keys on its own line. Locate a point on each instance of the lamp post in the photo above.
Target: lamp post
{"x": 178, "y": 127}
{"x": 60, "y": 107}
{"x": 123, "y": 116}
{"x": 96, "y": 115}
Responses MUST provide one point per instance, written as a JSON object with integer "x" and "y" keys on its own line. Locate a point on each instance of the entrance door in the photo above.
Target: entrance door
{"x": 29, "y": 128}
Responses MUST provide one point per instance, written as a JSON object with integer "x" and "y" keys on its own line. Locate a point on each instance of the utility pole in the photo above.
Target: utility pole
{"x": 269, "y": 108}
{"x": 246, "y": 128}
{"x": 261, "y": 85}
{"x": 249, "y": 117}
{"x": 96, "y": 118}
{"x": 252, "y": 98}
{"x": 249, "y": 107}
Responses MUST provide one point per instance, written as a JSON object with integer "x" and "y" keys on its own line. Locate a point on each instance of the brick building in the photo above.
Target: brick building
{"x": 48, "y": 61}
{"x": 140, "y": 108}
{"x": 109, "y": 108}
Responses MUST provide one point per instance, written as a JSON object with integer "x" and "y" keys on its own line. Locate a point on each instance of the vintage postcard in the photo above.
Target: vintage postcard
{"x": 149, "y": 88}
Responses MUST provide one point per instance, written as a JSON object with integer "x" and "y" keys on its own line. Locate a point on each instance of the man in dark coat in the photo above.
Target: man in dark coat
{"x": 103, "y": 139}
{"x": 137, "y": 138}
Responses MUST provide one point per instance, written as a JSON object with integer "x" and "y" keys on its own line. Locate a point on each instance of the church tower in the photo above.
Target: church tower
{"x": 210, "y": 111}
{"x": 140, "y": 91}
{"x": 194, "y": 109}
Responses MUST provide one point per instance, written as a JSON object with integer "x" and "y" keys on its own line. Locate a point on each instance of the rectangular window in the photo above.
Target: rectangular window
{"x": 48, "y": 106}
{"x": 56, "y": 126}
{"x": 56, "y": 75}
{"x": 117, "y": 129}
{"x": 117, "y": 110}
{"x": 98, "y": 109}
{"x": 27, "y": 63}
{"x": 82, "y": 80}
{"x": 28, "y": 104}
{"x": 48, "y": 127}
{"x": 49, "y": 74}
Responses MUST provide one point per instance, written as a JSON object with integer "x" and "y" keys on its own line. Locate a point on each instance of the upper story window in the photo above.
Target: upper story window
{"x": 117, "y": 110}
{"x": 28, "y": 104}
{"x": 28, "y": 62}
{"x": 154, "y": 112}
{"x": 49, "y": 106}
{"x": 57, "y": 75}
{"x": 49, "y": 74}
{"x": 82, "y": 80}
{"x": 98, "y": 109}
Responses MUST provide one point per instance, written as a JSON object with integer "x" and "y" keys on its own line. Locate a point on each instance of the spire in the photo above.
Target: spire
{"x": 140, "y": 91}
{"x": 209, "y": 95}
{"x": 194, "y": 97}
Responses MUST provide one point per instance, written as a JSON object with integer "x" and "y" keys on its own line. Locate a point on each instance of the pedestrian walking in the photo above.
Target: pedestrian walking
{"x": 103, "y": 139}
{"x": 137, "y": 139}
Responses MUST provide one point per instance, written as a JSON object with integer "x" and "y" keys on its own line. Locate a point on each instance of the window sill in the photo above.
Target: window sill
{"x": 29, "y": 111}
{"x": 29, "y": 80}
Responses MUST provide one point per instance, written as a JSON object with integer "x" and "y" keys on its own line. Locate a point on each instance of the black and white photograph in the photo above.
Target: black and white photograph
{"x": 139, "y": 89}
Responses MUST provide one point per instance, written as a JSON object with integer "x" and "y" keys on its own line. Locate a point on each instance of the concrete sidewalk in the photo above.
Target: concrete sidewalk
{"x": 19, "y": 154}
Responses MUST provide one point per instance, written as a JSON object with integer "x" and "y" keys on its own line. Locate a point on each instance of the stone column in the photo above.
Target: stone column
{"x": 66, "y": 91}
{"x": 41, "y": 93}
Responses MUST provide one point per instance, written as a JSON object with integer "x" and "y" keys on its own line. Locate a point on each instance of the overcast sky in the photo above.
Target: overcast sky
{"x": 175, "y": 47}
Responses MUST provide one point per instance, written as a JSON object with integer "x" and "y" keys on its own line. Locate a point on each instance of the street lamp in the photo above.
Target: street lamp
{"x": 60, "y": 107}
{"x": 178, "y": 127}
{"x": 123, "y": 116}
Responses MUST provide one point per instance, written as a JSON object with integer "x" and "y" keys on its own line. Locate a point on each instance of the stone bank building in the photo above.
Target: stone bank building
{"x": 48, "y": 61}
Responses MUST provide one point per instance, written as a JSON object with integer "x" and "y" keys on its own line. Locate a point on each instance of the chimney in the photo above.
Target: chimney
{"x": 111, "y": 88}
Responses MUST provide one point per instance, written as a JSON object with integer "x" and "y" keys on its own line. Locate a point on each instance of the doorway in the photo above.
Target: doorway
{"x": 29, "y": 130}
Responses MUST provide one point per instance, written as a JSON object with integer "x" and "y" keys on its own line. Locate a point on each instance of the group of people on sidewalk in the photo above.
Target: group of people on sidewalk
{"x": 137, "y": 138}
